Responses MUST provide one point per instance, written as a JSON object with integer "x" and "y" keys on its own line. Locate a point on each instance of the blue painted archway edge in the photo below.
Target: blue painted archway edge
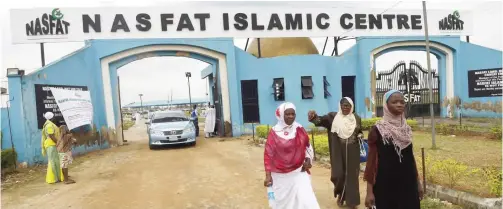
{"x": 229, "y": 76}
{"x": 465, "y": 57}
{"x": 115, "y": 66}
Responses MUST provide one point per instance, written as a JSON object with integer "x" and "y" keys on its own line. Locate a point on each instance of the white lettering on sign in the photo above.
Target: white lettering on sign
{"x": 79, "y": 24}
{"x": 413, "y": 97}
{"x": 485, "y": 83}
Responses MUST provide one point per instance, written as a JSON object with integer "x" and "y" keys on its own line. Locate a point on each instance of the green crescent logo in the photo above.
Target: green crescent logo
{"x": 56, "y": 14}
{"x": 456, "y": 14}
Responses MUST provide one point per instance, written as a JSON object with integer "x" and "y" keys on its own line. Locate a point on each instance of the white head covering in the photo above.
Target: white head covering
{"x": 48, "y": 115}
{"x": 281, "y": 128}
{"x": 344, "y": 125}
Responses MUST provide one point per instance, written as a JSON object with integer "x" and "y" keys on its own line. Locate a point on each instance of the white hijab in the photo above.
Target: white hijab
{"x": 281, "y": 128}
{"x": 48, "y": 115}
{"x": 344, "y": 125}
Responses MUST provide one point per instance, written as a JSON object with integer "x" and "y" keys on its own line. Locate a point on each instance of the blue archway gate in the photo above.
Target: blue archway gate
{"x": 413, "y": 81}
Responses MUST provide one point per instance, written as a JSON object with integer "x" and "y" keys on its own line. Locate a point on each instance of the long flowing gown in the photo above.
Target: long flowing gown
{"x": 284, "y": 159}
{"x": 209, "y": 122}
{"x": 395, "y": 182}
{"x": 344, "y": 160}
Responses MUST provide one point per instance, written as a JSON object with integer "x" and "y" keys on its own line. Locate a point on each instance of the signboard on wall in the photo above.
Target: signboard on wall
{"x": 79, "y": 24}
{"x": 45, "y": 102}
{"x": 485, "y": 83}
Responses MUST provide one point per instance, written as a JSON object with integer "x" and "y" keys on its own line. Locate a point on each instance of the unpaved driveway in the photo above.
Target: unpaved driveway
{"x": 214, "y": 174}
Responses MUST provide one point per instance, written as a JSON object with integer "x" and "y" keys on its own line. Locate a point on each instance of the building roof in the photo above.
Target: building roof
{"x": 165, "y": 103}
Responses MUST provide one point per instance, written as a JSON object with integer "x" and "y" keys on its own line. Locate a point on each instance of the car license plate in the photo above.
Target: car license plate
{"x": 172, "y": 138}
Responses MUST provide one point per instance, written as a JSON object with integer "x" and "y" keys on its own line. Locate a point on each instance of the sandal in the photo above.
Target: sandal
{"x": 70, "y": 181}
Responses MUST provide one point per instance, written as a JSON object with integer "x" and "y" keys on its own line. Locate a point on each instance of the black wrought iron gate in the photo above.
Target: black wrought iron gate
{"x": 413, "y": 83}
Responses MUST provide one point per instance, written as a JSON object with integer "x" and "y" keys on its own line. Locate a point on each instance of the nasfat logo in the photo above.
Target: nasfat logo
{"x": 451, "y": 22}
{"x": 48, "y": 24}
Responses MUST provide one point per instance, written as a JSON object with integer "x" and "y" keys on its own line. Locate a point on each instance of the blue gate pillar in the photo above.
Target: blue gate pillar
{"x": 17, "y": 118}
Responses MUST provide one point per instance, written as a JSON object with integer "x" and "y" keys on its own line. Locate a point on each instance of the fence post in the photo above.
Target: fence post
{"x": 253, "y": 130}
{"x": 314, "y": 149}
{"x": 424, "y": 170}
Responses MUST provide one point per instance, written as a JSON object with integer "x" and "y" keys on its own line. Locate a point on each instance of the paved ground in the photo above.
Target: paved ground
{"x": 214, "y": 174}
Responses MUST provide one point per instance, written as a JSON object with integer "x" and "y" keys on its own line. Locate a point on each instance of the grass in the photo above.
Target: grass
{"x": 429, "y": 203}
{"x": 475, "y": 151}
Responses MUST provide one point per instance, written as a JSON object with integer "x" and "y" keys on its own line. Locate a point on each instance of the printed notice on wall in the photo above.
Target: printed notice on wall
{"x": 75, "y": 105}
{"x": 485, "y": 83}
{"x": 45, "y": 102}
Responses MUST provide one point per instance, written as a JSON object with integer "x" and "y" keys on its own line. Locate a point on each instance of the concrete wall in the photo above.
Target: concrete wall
{"x": 291, "y": 68}
{"x": 474, "y": 57}
{"x": 6, "y": 143}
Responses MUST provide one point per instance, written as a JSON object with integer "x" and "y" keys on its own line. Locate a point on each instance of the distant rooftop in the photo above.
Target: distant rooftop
{"x": 166, "y": 103}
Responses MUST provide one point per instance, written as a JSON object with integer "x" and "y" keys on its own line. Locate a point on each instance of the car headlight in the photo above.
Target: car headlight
{"x": 155, "y": 132}
{"x": 188, "y": 129}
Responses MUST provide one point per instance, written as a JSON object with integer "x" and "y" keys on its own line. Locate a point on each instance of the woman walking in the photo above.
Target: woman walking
{"x": 391, "y": 172}
{"x": 287, "y": 160}
{"x": 344, "y": 132}
{"x": 50, "y": 134}
{"x": 64, "y": 146}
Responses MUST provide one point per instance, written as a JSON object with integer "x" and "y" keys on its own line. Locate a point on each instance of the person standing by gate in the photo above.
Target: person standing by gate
{"x": 194, "y": 118}
{"x": 64, "y": 146}
{"x": 391, "y": 172}
{"x": 209, "y": 122}
{"x": 344, "y": 132}
{"x": 50, "y": 134}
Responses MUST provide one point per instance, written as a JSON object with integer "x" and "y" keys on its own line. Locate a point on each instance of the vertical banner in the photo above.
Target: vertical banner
{"x": 76, "y": 106}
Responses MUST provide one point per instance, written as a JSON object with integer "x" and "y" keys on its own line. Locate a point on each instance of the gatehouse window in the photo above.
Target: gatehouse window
{"x": 307, "y": 87}
{"x": 325, "y": 87}
{"x": 278, "y": 86}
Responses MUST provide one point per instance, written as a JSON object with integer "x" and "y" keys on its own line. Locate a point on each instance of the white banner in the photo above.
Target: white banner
{"x": 78, "y": 24}
{"x": 75, "y": 106}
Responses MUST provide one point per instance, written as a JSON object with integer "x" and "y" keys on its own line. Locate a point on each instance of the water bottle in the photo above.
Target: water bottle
{"x": 270, "y": 197}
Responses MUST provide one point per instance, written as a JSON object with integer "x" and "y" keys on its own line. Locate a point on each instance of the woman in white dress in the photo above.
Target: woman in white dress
{"x": 287, "y": 160}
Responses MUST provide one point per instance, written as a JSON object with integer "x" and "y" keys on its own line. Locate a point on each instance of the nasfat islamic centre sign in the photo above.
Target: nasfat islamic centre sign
{"x": 78, "y": 24}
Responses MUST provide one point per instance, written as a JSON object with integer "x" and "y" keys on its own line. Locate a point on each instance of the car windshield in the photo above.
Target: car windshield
{"x": 168, "y": 117}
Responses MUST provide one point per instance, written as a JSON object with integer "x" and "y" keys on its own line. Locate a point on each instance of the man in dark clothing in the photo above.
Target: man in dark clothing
{"x": 194, "y": 117}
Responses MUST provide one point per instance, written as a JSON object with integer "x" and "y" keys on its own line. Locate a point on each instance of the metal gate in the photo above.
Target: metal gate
{"x": 413, "y": 83}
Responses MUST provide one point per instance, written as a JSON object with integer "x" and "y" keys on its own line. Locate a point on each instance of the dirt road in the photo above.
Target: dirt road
{"x": 213, "y": 174}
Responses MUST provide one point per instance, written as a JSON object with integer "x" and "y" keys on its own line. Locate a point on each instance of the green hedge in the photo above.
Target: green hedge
{"x": 368, "y": 123}
{"x": 9, "y": 159}
{"x": 496, "y": 133}
{"x": 262, "y": 131}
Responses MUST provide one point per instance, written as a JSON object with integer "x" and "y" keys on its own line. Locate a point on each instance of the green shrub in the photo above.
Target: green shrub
{"x": 494, "y": 179}
{"x": 9, "y": 159}
{"x": 496, "y": 133}
{"x": 455, "y": 129}
{"x": 262, "y": 131}
{"x": 455, "y": 171}
{"x": 320, "y": 145}
{"x": 412, "y": 123}
{"x": 127, "y": 124}
{"x": 368, "y": 123}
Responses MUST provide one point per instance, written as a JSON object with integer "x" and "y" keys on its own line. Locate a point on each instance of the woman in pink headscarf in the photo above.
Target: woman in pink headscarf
{"x": 287, "y": 160}
{"x": 391, "y": 172}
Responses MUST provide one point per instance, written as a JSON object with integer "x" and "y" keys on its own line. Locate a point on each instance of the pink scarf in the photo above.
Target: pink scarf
{"x": 394, "y": 128}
